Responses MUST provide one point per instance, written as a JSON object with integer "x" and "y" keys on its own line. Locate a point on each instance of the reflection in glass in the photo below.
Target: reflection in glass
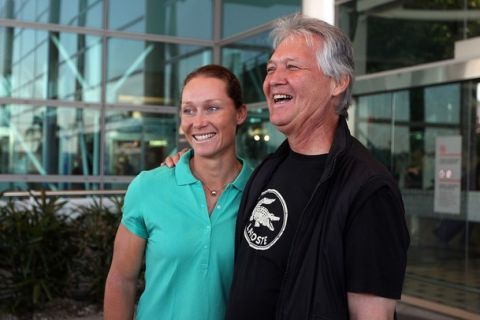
{"x": 420, "y": 114}
{"x": 49, "y": 65}
{"x": 248, "y": 59}
{"x": 450, "y": 242}
{"x": 374, "y": 114}
{"x": 239, "y": 16}
{"x": 80, "y": 13}
{"x": 257, "y": 137}
{"x": 406, "y": 33}
{"x": 181, "y": 18}
{"x": 137, "y": 141}
{"x": 42, "y": 140}
{"x": 150, "y": 73}
{"x": 442, "y": 104}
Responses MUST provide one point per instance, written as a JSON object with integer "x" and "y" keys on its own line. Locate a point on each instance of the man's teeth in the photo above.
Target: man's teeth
{"x": 281, "y": 97}
{"x": 202, "y": 137}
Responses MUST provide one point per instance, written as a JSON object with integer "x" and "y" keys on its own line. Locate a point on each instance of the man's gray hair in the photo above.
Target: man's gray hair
{"x": 335, "y": 59}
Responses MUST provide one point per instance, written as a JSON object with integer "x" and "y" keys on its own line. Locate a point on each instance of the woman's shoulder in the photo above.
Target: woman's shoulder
{"x": 151, "y": 177}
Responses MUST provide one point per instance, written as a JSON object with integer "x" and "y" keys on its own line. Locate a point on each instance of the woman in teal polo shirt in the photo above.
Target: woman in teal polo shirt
{"x": 183, "y": 218}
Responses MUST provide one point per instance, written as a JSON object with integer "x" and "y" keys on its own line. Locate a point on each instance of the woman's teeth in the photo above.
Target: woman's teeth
{"x": 203, "y": 137}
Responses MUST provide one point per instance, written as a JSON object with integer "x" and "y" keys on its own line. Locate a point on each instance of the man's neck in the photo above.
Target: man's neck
{"x": 314, "y": 142}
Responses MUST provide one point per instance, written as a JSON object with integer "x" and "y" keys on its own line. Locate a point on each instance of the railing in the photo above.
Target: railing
{"x": 63, "y": 193}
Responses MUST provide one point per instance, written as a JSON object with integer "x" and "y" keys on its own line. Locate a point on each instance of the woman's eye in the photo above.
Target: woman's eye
{"x": 212, "y": 108}
{"x": 187, "y": 111}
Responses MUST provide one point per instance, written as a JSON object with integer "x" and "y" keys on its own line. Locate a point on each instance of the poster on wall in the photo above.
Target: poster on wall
{"x": 448, "y": 174}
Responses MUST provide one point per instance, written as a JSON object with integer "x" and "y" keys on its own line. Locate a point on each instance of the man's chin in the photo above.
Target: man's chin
{"x": 280, "y": 125}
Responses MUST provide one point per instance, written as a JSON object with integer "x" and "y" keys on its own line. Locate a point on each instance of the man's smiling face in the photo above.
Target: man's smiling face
{"x": 296, "y": 90}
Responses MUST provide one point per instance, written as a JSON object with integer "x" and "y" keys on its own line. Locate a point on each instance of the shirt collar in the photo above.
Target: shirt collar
{"x": 241, "y": 180}
{"x": 184, "y": 175}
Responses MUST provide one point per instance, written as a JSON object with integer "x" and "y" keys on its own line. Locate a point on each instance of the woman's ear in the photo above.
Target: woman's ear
{"x": 241, "y": 114}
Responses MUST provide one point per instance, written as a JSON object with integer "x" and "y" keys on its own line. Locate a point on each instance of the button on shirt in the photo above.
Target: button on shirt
{"x": 189, "y": 254}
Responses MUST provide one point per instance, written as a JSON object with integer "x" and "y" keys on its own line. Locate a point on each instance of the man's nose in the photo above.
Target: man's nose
{"x": 277, "y": 76}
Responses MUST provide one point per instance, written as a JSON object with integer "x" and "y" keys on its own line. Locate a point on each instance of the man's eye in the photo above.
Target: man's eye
{"x": 270, "y": 69}
{"x": 292, "y": 67}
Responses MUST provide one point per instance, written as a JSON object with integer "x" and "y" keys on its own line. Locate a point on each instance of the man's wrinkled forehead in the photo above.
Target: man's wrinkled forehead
{"x": 308, "y": 37}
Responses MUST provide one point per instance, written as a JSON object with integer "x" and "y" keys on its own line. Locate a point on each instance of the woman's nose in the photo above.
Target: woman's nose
{"x": 199, "y": 120}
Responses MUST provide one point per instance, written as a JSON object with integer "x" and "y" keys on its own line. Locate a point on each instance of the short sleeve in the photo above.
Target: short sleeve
{"x": 132, "y": 213}
{"x": 376, "y": 244}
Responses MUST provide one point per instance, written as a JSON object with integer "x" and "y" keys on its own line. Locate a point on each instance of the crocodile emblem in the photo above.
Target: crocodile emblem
{"x": 262, "y": 216}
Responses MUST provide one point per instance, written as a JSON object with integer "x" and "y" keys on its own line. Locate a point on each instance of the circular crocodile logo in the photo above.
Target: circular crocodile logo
{"x": 267, "y": 221}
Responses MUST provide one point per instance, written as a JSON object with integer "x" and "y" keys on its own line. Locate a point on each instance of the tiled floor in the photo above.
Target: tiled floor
{"x": 409, "y": 312}
{"x": 444, "y": 276}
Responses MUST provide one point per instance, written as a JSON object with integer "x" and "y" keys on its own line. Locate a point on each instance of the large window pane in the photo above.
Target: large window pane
{"x": 182, "y": 18}
{"x": 374, "y": 126}
{"x": 81, "y": 13}
{"x": 442, "y": 104}
{"x": 150, "y": 72}
{"x": 248, "y": 59}
{"x": 137, "y": 141}
{"x": 42, "y": 140}
{"x": 406, "y": 33}
{"x": 49, "y": 65}
{"x": 239, "y": 16}
{"x": 444, "y": 249}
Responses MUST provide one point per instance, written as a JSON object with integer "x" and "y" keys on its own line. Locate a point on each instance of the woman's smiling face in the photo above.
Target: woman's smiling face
{"x": 208, "y": 116}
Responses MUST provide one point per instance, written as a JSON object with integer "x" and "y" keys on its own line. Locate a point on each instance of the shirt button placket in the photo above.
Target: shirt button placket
{"x": 206, "y": 248}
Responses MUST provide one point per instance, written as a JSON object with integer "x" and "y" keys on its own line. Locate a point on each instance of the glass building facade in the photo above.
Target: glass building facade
{"x": 89, "y": 88}
{"x": 417, "y": 109}
{"x": 89, "y": 92}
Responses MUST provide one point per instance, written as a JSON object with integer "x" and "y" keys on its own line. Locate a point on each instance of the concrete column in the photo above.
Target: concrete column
{"x": 320, "y": 9}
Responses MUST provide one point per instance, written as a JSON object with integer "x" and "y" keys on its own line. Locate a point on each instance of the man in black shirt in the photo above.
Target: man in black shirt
{"x": 321, "y": 231}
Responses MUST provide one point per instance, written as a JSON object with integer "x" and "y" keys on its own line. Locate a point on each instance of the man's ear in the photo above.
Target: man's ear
{"x": 341, "y": 86}
{"x": 241, "y": 114}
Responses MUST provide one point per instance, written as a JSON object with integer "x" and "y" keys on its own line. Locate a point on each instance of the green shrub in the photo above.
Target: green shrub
{"x": 96, "y": 228}
{"x": 47, "y": 255}
{"x": 36, "y": 253}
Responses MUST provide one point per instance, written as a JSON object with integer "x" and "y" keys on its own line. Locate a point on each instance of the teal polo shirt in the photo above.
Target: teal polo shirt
{"x": 189, "y": 254}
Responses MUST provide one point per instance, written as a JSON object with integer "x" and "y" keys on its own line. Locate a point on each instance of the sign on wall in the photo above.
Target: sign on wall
{"x": 448, "y": 174}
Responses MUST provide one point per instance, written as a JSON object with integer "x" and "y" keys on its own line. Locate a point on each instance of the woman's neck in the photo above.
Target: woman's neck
{"x": 215, "y": 173}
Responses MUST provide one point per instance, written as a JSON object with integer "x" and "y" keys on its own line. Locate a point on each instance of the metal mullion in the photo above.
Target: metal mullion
{"x": 217, "y": 31}
{"x": 428, "y": 74}
{"x": 246, "y": 34}
{"x": 15, "y": 194}
{"x": 86, "y": 105}
{"x": 49, "y": 27}
{"x": 340, "y": 2}
{"x": 48, "y": 178}
{"x": 104, "y": 32}
{"x": 36, "y": 178}
{"x": 103, "y": 90}
{"x": 158, "y": 38}
{"x": 142, "y": 108}
{"x": 49, "y": 102}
